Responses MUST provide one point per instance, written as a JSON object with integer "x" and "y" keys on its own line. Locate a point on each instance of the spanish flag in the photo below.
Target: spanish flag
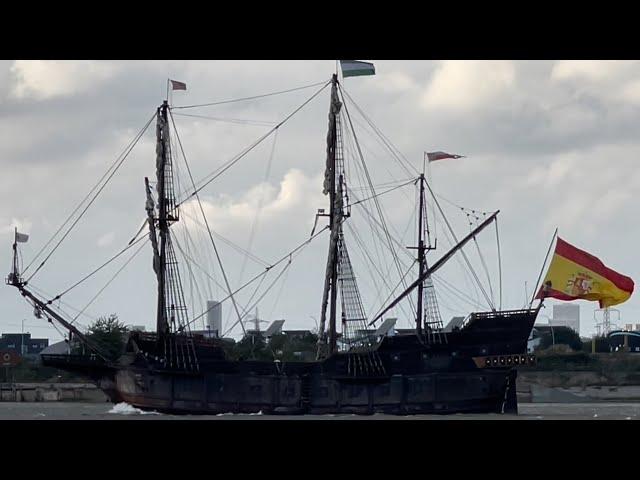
{"x": 575, "y": 274}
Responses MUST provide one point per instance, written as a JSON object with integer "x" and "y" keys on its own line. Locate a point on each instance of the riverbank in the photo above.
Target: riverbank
{"x": 51, "y": 392}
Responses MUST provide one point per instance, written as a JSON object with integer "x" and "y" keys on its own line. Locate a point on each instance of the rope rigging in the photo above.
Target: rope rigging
{"x": 401, "y": 282}
{"x": 382, "y": 193}
{"x": 189, "y": 258}
{"x": 254, "y": 97}
{"x": 402, "y": 161}
{"x": 113, "y": 168}
{"x": 267, "y": 269}
{"x": 252, "y": 306}
{"x": 381, "y": 231}
{"x": 370, "y": 183}
{"x": 466, "y": 275}
{"x": 93, "y": 272}
{"x": 227, "y": 165}
{"x": 455, "y": 291}
{"x": 256, "y": 217}
{"x": 135, "y": 254}
{"x": 395, "y": 152}
{"x": 230, "y": 243}
{"x": 44, "y": 294}
{"x": 204, "y": 217}
{"x": 464, "y": 255}
{"x": 260, "y": 123}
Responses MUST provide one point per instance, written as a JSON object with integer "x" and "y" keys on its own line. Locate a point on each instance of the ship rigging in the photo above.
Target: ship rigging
{"x": 347, "y": 348}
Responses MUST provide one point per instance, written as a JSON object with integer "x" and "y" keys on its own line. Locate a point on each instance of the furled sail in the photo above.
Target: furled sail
{"x": 334, "y": 110}
{"x": 150, "y": 207}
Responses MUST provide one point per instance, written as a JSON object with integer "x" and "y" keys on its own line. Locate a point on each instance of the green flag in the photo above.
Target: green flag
{"x": 354, "y": 68}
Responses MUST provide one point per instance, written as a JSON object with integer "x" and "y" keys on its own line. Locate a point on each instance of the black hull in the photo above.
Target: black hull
{"x": 436, "y": 394}
{"x": 472, "y": 371}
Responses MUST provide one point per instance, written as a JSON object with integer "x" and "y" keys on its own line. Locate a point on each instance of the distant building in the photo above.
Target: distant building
{"x": 58, "y": 348}
{"x": 136, "y": 328}
{"x": 214, "y": 318}
{"x": 454, "y": 323}
{"x": 624, "y": 341}
{"x": 566, "y": 315}
{"x": 23, "y": 344}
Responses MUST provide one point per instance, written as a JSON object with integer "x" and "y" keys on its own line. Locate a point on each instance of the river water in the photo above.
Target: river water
{"x": 107, "y": 411}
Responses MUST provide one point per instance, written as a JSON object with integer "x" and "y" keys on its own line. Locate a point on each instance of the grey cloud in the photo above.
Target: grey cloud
{"x": 54, "y": 149}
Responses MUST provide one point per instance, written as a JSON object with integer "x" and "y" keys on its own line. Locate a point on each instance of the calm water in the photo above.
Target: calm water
{"x": 106, "y": 411}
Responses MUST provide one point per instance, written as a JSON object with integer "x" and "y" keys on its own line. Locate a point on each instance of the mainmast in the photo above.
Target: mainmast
{"x": 333, "y": 187}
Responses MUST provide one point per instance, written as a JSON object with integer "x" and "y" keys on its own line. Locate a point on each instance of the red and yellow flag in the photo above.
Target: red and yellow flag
{"x": 575, "y": 274}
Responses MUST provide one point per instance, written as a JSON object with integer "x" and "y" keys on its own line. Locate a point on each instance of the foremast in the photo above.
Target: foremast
{"x": 166, "y": 205}
{"x": 336, "y": 215}
{"x": 171, "y": 315}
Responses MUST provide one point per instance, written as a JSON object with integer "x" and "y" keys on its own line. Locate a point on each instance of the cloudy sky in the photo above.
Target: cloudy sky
{"x": 550, "y": 144}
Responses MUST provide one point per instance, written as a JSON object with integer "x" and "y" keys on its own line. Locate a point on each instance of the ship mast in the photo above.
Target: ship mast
{"x": 162, "y": 130}
{"x": 333, "y": 186}
{"x": 422, "y": 264}
{"x": 171, "y": 308}
{"x": 436, "y": 266}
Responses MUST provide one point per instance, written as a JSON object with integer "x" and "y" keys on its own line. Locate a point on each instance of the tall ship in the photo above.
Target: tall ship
{"x": 359, "y": 366}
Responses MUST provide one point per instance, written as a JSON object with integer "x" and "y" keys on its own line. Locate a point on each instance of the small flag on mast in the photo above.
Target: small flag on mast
{"x": 434, "y": 156}
{"x": 175, "y": 85}
{"x": 21, "y": 237}
{"x": 354, "y": 68}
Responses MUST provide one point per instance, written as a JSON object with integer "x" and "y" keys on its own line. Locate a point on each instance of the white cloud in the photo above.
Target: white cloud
{"x": 587, "y": 69}
{"x": 395, "y": 81}
{"x": 106, "y": 239}
{"x": 296, "y": 192}
{"x": 550, "y": 144}
{"x": 41, "y": 79}
{"x": 631, "y": 92}
{"x": 463, "y": 85}
{"x": 607, "y": 80}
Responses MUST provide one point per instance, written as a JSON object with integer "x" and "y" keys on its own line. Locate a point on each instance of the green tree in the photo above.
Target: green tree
{"x": 562, "y": 335}
{"x": 109, "y": 334}
{"x": 289, "y": 349}
{"x": 252, "y": 347}
{"x": 602, "y": 345}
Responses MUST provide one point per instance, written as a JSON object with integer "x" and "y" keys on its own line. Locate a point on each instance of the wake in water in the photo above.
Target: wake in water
{"x": 124, "y": 408}
{"x": 239, "y": 414}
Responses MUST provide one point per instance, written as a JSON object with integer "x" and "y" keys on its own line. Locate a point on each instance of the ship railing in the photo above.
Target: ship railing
{"x": 466, "y": 320}
{"x": 494, "y": 314}
{"x": 360, "y": 343}
{"x": 91, "y": 358}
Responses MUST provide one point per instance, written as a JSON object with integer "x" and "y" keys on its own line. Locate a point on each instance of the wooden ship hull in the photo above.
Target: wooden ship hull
{"x": 473, "y": 372}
